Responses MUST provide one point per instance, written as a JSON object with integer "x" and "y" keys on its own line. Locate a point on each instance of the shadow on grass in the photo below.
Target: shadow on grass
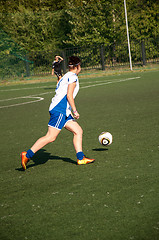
{"x": 42, "y": 156}
{"x": 100, "y": 149}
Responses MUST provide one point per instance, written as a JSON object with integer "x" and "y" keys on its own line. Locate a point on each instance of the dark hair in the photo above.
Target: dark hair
{"x": 74, "y": 61}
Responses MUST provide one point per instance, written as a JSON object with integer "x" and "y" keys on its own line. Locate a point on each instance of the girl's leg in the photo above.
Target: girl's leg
{"x": 77, "y": 131}
{"x": 48, "y": 138}
{"x": 74, "y": 127}
{"x": 41, "y": 142}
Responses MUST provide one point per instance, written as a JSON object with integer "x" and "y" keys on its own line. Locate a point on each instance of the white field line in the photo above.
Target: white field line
{"x": 122, "y": 80}
{"x": 30, "y": 96}
{"x": 40, "y": 99}
{"x": 54, "y": 86}
{"x": 17, "y": 89}
{"x": 18, "y": 104}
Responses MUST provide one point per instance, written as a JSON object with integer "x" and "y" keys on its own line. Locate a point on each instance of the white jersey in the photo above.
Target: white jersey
{"x": 59, "y": 101}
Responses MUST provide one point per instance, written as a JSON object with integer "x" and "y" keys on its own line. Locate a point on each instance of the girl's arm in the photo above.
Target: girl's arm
{"x": 60, "y": 58}
{"x": 70, "y": 99}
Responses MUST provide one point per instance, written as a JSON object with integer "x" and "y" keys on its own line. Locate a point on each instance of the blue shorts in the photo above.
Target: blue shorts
{"x": 58, "y": 120}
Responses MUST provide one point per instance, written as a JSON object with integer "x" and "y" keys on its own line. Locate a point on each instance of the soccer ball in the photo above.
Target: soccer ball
{"x": 105, "y": 138}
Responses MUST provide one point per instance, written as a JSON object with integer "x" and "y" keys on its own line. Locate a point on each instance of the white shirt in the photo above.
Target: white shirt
{"x": 59, "y": 101}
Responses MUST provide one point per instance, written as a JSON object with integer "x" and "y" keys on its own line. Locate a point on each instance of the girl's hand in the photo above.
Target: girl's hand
{"x": 76, "y": 114}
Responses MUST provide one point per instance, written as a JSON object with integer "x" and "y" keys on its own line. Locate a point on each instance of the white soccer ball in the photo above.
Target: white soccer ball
{"x": 105, "y": 138}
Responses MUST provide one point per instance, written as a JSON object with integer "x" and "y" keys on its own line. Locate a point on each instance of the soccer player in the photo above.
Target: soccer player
{"x": 56, "y": 68}
{"x": 61, "y": 116}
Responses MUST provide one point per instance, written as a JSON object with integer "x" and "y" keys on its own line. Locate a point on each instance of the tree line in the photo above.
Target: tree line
{"x": 37, "y": 25}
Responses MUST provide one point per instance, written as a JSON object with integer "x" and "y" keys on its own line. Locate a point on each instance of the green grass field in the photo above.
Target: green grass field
{"x": 116, "y": 197}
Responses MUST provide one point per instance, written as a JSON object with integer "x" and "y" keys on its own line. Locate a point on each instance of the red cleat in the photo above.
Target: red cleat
{"x": 24, "y": 160}
{"x": 85, "y": 161}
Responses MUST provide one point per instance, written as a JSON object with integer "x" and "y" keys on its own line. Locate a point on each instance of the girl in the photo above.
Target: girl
{"x": 60, "y": 115}
{"x": 56, "y": 68}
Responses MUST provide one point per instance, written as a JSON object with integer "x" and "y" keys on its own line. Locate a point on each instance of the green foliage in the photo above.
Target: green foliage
{"x": 33, "y": 5}
{"x": 13, "y": 58}
{"x": 91, "y": 23}
{"x": 35, "y": 31}
{"x": 143, "y": 19}
{"x": 50, "y": 24}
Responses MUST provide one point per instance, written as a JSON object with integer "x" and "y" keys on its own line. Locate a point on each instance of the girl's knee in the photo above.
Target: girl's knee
{"x": 51, "y": 139}
{"x": 79, "y": 131}
{"x": 51, "y": 134}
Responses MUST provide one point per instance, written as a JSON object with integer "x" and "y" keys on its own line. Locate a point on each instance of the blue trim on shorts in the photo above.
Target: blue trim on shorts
{"x": 58, "y": 119}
